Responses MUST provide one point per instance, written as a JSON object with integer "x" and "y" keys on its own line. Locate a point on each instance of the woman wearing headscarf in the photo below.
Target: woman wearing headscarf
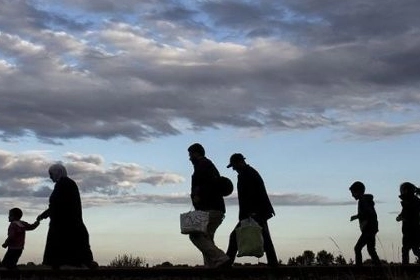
{"x": 67, "y": 239}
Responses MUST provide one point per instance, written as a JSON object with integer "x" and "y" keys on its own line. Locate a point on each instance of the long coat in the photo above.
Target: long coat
{"x": 252, "y": 195}
{"x": 203, "y": 185}
{"x": 68, "y": 238}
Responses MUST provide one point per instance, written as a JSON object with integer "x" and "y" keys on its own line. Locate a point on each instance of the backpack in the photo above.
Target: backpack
{"x": 224, "y": 185}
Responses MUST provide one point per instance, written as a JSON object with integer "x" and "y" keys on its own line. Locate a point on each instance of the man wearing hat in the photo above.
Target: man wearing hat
{"x": 253, "y": 202}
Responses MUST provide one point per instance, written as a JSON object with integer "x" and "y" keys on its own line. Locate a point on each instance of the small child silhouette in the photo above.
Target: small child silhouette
{"x": 368, "y": 222}
{"x": 410, "y": 218}
{"x": 15, "y": 238}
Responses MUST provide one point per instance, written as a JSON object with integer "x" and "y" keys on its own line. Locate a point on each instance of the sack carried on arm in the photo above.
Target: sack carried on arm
{"x": 224, "y": 185}
{"x": 249, "y": 239}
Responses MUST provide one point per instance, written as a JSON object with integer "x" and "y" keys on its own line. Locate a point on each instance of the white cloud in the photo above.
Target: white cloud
{"x": 26, "y": 175}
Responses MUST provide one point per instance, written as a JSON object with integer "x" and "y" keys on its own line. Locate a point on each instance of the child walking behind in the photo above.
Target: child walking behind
{"x": 368, "y": 222}
{"x": 410, "y": 221}
{"x": 15, "y": 238}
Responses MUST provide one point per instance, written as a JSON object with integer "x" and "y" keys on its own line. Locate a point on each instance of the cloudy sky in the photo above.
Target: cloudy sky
{"x": 315, "y": 94}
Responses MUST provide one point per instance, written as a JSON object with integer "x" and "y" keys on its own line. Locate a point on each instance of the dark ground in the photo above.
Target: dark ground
{"x": 198, "y": 273}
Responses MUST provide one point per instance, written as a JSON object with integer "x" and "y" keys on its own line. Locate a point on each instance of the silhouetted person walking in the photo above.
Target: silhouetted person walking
{"x": 206, "y": 196}
{"x": 253, "y": 202}
{"x": 368, "y": 222}
{"x": 68, "y": 238}
{"x": 410, "y": 217}
{"x": 15, "y": 241}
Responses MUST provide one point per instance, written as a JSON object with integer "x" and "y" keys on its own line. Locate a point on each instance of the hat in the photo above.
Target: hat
{"x": 234, "y": 159}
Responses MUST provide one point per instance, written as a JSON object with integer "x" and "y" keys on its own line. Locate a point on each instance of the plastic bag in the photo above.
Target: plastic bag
{"x": 249, "y": 239}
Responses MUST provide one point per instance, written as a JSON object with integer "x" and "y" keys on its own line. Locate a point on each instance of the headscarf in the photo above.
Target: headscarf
{"x": 57, "y": 171}
{"x": 407, "y": 189}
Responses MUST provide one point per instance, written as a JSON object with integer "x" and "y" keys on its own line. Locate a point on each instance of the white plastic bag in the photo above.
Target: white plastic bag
{"x": 249, "y": 239}
{"x": 194, "y": 221}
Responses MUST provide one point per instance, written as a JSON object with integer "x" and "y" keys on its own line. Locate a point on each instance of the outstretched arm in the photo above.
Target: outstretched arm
{"x": 32, "y": 226}
{"x": 44, "y": 215}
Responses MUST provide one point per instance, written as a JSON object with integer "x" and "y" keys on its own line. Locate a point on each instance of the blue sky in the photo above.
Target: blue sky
{"x": 315, "y": 94}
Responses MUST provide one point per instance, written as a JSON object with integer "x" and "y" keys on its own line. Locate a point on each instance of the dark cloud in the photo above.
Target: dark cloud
{"x": 109, "y": 6}
{"x": 20, "y": 17}
{"x": 135, "y": 70}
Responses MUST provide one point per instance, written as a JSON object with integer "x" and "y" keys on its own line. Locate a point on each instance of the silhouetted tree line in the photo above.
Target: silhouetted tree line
{"x": 321, "y": 258}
